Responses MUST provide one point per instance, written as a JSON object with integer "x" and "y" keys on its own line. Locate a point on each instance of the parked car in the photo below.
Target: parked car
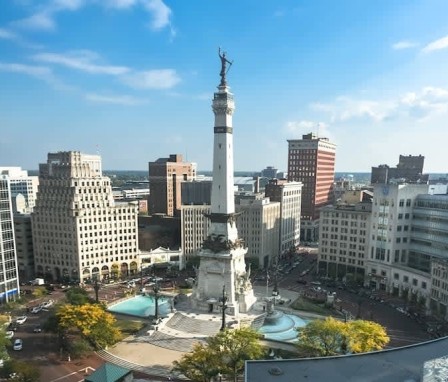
{"x": 18, "y": 344}
{"x": 9, "y": 334}
{"x": 36, "y": 310}
{"x": 21, "y": 320}
{"x": 301, "y": 281}
{"x": 37, "y": 329}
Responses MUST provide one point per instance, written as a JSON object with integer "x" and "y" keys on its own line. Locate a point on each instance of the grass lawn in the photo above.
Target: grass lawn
{"x": 128, "y": 327}
{"x": 309, "y": 306}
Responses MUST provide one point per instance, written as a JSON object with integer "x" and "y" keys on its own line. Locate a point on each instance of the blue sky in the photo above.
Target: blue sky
{"x": 133, "y": 79}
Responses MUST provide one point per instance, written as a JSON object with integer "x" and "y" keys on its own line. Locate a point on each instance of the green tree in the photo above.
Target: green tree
{"x": 332, "y": 337}
{"x": 224, "y": 353}
{"x": 234, "y": 347}
{"x": 20, "y": 370}
{"x": 323, "y": 337}
{"x": 365, "y": 336}
{"x": 91, "y": 322}
{"x": 77, "y": 296}
{"x": 201, "y": 365}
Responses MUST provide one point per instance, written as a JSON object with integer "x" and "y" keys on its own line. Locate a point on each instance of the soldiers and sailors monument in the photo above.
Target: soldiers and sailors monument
{"x": 222, "y": 268}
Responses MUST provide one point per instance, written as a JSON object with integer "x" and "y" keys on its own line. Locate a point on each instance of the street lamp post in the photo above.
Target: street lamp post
{"x": 275, "y": 290}
{"x": 96, "y": 288}
{"x": 224, "y": 307}
{"x": 156, "y": 291}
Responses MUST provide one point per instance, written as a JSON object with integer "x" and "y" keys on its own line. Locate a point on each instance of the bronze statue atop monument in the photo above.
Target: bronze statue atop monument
{"x": 224, "y": 68}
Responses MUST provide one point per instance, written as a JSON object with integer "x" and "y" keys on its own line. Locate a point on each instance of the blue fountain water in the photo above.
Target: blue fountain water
{"x": 142, "y": 306}
{"x": 282, "y": 328}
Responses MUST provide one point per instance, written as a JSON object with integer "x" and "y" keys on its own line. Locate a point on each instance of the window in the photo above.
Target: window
{"x": 406, "y": 279}
{"x": 408, "y": 202}
{"x": 401, "y": 203}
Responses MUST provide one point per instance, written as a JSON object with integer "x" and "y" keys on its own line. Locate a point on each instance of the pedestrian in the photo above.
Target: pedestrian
{"x": 264, "y": 308}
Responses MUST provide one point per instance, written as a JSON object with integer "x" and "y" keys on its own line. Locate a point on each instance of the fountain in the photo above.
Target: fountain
{"x": 279, "y": 326}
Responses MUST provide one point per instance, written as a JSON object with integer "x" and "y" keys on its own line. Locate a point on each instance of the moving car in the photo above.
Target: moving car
{"x": 21, "y": 320}
{"x": 18, "y": 344}
{"x": 37, "y": 329}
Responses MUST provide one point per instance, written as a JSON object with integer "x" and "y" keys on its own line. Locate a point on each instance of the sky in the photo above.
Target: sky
{"x": 133, "y": 80}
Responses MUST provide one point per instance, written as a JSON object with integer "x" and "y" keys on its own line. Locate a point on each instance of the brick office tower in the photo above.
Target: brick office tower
{"x": 165, "y": 178}
{"x": 311, "y": 161}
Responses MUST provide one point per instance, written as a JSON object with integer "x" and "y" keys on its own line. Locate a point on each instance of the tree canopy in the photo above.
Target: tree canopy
{"x": 332, "y": 337}
{"x": 22, "y": 371}
{"x": 224, "y": 353}
{"x": 77, "y": 296}
{"x": 201, "y": 365}
{"x": 91, "y": 321}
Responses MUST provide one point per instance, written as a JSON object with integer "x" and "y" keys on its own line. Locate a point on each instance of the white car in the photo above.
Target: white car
{"x": 47, "y": 304}
{"x": 9, "y": 334}
{"x": 21, "y": 320}
{"x": 36, "y": 309}
{"x": 18, "y": 344}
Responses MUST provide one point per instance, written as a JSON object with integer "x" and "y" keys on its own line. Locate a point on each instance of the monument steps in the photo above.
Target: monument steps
{"x": 159, "y": 371}
{"x": 192, "y": 325}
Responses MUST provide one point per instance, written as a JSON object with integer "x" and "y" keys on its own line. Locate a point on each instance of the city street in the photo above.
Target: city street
{"x": 402, "y": 330}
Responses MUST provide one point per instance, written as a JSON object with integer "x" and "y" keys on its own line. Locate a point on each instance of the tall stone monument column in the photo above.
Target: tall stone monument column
{"x": 222, "y": 255}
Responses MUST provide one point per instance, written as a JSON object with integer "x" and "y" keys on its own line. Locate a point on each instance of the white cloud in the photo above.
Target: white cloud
{"x": 417, "y": 105}
{"x": 41, "y": 20}
{"x": 7, "y": 35}
{"x": 44, "y": 17}
{"x": 347, "y": 108}
{"x": 114, "y": 99}
{"x": 405, "y": 44}
{"x": 120, "y": 4}
{"x": 160, "y": 13}
{"x": 69, "y": 5}
{"x": 81, "y": 60}
{"x": 41, "y": 72}
{"x": 441, "y": 43}
{"x": 152, "y": 79}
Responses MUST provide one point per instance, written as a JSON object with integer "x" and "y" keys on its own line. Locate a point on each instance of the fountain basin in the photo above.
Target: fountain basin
{"x": 141, "y": 306}
{"x": 283, "y": 327}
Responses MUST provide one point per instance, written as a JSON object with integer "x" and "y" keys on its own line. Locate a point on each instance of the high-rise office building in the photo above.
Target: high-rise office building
{"x": 259, "y": 227}
{"x": 24, "y": 246}
{"x": 165, "y": 178}
{"x": 311, "y": 161}
{"x": 409, "y": 169}
{"x": 343, "y": 240}
{"x": 9, "y": 281}
{"x": 22, "y": 184}
{"x": 79, "y": 231}
{"x": 289, "y": 194}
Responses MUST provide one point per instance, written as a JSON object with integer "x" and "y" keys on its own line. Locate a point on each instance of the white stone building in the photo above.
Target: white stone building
{"x": 289, "y": 195}
{"x": 390, "y": 238}
{"x": 22, "y": 184}
{"x": 343, "y": 241}
{"x": 194, "y": 227}
{"x": 79, "y": 232}
{"x": 259, "y": 227}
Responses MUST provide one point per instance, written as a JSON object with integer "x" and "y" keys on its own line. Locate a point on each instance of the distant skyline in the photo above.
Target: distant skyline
{"x": 133, "y": 80}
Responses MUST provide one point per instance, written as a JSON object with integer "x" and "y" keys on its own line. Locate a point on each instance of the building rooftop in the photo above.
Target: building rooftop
{"x": 405, "y": 364}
